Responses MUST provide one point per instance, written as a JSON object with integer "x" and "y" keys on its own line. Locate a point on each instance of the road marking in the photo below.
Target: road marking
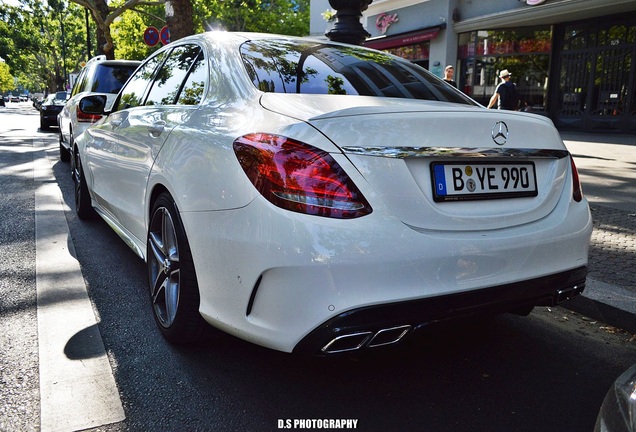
{"x": 77, "y": 386}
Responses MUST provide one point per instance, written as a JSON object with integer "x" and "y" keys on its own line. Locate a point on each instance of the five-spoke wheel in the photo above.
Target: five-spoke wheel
{"x": 173, "y": 286}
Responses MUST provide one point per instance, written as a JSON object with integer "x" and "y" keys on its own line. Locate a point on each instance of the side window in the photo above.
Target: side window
{"x": 82, "y": 79}
{"x": 78, "y": 82}
{"x": 110, "y": 78}
{"x": 192, "y": 91}
{"x": 170, "y": 78}
{"x": 133, "y": 93}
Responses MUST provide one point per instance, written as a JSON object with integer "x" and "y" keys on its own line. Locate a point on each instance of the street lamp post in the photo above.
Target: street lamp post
{"x": 347, "y": 27}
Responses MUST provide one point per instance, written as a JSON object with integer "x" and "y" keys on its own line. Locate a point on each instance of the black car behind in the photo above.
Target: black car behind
{"x": 51, "y": 107}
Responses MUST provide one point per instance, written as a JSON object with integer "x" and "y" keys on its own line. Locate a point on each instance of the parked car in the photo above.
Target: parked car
{"x": 37, "y": 100}
{"x": 320, "y": 198}
{"x": 37, "y": 103}
{"x": 98, "y": 76}
{"x": 50, "y": 108}
{"x": 618, "y": 411}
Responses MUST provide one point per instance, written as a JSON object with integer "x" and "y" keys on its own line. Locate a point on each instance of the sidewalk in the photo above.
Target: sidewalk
{"x": 606, "y": 165}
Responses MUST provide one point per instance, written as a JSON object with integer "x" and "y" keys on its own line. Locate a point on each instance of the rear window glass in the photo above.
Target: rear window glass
{"x": 282, "y": 66}
{"x": 111, "y": 78}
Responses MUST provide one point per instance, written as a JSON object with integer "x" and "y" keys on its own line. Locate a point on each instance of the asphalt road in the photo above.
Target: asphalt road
{"x": 545, "y": 372}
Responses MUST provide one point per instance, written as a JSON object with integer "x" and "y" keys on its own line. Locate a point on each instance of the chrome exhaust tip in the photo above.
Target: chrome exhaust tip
{"x": 355, "y": 341}
{"x": 348, "y": 342}
{"x": 389, "y": 336}
{"x": 568, "y": 293}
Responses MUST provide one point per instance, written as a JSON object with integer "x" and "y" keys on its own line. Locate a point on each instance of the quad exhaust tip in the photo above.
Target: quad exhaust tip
{"x": 568, "y": 293}
{"x": 358, "y": 340}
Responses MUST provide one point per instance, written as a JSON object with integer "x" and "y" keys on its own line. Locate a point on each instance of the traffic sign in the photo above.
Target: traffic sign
{"x": 165, "y": 35}
{"x": 151, "y": 36}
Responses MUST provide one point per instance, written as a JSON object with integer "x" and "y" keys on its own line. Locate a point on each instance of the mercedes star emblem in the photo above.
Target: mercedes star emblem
{"x": 500, "y": 133}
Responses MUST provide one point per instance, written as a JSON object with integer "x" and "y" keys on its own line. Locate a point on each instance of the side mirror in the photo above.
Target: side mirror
{"x": 93, "y": 105}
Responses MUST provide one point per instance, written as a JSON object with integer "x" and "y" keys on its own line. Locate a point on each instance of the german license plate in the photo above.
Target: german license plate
{"x": 461, "y": 181}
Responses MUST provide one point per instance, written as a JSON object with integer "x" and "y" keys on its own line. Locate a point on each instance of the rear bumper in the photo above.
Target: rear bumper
{"x": 388, "y": 323}
{"x": 49, "y": 119}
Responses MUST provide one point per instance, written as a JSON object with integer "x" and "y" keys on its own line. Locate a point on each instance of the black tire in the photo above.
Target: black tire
{"x": 83, "y": 206}
{"x": 174, "y": 290}
{"x": 65, "y": 154}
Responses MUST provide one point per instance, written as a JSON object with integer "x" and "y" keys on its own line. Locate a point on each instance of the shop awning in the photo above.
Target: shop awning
{"x": 404, "y": 39}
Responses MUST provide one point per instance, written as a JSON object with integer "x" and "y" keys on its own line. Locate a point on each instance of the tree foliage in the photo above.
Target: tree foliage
{"x": 290, "y": 17}
{"x": 45, "y": 41}
{"x": 6, "y": 79}
{"x": 31, "y": 42}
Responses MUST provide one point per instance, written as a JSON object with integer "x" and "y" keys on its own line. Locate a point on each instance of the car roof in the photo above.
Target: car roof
{"x": 240, "y": 37}
{"x": 118, "y": 63}
{"x": 101, "y": 59}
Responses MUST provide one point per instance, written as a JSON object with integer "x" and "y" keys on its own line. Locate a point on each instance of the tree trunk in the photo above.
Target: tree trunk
{"x": 179, "y": 18}
{"x": 104, "y": 40}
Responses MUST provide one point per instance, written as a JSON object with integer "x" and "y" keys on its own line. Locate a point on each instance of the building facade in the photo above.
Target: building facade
{"x": 572, "y": 60}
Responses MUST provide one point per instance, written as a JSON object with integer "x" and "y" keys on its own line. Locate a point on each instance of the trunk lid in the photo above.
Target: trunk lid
{"x": 395, "y": 144}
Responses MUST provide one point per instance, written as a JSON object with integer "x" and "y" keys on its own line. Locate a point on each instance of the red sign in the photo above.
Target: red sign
{"x": 151, "y": 36}
{"x": 164, "y": 34}
{"x": 402, "y": 40}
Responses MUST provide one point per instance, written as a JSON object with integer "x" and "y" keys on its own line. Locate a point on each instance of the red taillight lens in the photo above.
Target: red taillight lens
{"x": 577, "y": 190}
{"x": 82, "y": 117}
{"x": 298, "y": 177}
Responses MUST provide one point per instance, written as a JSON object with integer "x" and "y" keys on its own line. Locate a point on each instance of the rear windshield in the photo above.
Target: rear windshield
{"x": 283, "y": 66}
{"x": 111, "y": 78}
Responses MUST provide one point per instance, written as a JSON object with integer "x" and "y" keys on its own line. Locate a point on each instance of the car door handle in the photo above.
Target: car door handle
{"x": 157, "y": 128}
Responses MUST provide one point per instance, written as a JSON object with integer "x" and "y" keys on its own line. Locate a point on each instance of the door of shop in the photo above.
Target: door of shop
{"x": 596, "y": 75}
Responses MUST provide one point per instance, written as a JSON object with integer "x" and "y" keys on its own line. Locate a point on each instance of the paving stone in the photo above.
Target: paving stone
{"x": 612, "y": 257}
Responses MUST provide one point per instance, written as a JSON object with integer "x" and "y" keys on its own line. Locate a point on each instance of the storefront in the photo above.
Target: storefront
{"x": 595, "y": 74}
{"x": 525, "y": 52}
{"x": 414, "y": 46}
{"x": 581, "y": 74}
{"x": 572, "y": 60}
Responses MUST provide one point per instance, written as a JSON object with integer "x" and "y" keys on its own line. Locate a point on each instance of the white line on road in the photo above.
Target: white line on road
{"x": 77, "y": 386}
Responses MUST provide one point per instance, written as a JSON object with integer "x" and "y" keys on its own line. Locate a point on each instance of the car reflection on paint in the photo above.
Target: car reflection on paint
{"x": 618, "y": 412}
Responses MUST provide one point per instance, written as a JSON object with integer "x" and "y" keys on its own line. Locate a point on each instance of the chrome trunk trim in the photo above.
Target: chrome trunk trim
{"x": 476, "y": 152}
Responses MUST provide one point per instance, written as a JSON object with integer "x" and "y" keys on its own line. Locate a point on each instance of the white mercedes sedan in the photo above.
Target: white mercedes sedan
{"x": 321, "y": 198}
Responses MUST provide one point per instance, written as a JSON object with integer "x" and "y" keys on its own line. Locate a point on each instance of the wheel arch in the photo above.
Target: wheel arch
{"x": 157, "y": 190}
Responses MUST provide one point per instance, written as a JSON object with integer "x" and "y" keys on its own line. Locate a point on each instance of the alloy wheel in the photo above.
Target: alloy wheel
{"x": 164, "y": 267}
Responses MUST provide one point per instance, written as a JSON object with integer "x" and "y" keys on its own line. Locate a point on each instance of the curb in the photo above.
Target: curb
{"x": 603, "y": 312}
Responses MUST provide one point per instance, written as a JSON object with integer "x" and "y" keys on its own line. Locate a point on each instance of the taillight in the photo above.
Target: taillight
{"x": 298, "y": 177}
{"x": 577, "y": 190}
{"x": 83, "y": 117}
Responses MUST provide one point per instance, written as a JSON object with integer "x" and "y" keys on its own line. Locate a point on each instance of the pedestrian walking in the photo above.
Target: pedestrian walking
{"x": 506, "y": 95}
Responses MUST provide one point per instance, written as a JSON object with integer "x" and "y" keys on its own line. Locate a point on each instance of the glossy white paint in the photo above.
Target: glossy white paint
{"x": 309, "y": 268}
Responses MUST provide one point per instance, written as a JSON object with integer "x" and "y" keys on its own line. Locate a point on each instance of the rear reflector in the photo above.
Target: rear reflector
{"x": 577, "y": 189}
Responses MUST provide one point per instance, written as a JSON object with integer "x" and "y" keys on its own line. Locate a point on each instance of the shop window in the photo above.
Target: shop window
{"x": 578, "y": 37}
{"x": 523, "y": 52}
{"x": 607, "y": 55}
